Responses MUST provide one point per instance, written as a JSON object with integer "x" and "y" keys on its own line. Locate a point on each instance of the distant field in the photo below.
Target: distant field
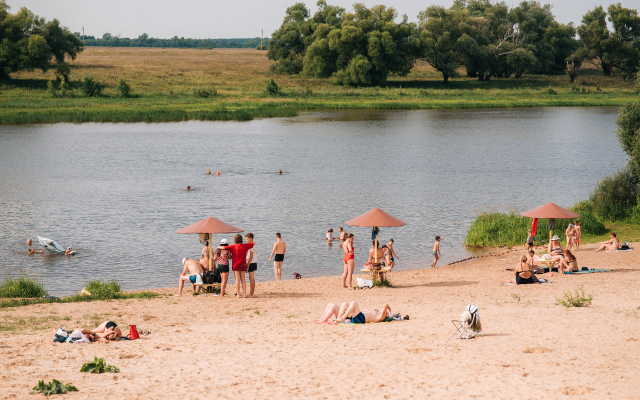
{"x": 163, "y": 80}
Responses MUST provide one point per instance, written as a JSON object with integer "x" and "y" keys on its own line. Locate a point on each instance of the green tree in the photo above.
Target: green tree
{"x": 289, "y": 43}
{"x": 610, "y": 50}
{"x": 22, "y": 45}
{"x": 440, "y": 30}
{"x": 628, "y": 130}
{"x": 63, "y": 44}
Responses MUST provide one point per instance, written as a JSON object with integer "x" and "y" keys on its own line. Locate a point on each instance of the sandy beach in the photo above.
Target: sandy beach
{"x": 269, "y": 347}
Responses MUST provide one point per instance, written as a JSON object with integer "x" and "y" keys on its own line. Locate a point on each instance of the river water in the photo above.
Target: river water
{"x": 115, "y": 192}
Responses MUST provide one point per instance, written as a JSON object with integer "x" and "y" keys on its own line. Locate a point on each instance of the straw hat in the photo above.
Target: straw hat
{"x": 555, "y": 237}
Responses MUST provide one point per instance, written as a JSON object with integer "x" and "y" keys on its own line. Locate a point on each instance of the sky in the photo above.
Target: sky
{"x": 228, "y": 19}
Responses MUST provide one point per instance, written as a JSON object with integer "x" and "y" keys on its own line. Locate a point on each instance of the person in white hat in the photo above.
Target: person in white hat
{"x": 195, "y": 270}
{"x": 557, "y": 253}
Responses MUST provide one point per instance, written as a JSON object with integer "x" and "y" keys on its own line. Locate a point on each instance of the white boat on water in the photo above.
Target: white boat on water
{"x": 52, "y": 245}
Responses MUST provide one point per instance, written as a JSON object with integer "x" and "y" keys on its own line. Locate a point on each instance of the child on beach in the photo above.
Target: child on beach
{"x": 570, "y": 233}
{"x": 529, "y": 239}
{"x": 252, "y": 263}
{"x": 578, "y": 235}
{"x": 436, "y": 252}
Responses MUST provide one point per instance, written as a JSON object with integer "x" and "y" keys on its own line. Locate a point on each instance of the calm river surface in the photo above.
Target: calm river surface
{"x": 115, "y": 192}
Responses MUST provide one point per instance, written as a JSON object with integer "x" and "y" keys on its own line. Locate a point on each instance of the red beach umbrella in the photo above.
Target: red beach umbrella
{"x": 210, "y": 225}
{"x": 549, "y": 211}
{"x": 376, "y": 218}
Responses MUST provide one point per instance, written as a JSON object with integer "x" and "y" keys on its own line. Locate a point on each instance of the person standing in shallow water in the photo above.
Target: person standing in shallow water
{"x": 279, "y": 248}
{"x": 436, "y": 252}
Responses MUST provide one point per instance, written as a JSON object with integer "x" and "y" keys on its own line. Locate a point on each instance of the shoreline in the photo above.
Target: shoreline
{"x": 530, "y": 348}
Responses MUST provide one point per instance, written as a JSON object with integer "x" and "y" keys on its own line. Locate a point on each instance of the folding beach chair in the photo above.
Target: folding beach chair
{"x": 468, "y": 325}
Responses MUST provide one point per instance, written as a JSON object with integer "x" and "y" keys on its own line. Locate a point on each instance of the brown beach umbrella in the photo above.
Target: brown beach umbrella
{"x": 552, "y": 212}
{"x": 210, "y": 225}
{"x": 376, "y": 218}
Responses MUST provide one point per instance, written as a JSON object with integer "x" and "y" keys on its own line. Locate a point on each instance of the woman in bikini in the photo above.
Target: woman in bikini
{"x": 571, "y": 261}
{"x": 612, "y": 245}
{"x": 557, "y": 253}
{"x": 349, "y": 262}
{"x": 524, "y": 273}
{"x": 578, "y": 230}
{"x": 390, "y": 254}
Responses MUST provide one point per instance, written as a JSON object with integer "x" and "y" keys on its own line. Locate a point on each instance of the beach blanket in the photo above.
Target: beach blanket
{"x": 609, "y": 251}
{"x": 515, "y": 284}
{"x": 590, "y": 271}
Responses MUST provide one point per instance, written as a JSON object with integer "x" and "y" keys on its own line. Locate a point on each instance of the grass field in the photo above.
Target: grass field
{"x": 163, "y": 80}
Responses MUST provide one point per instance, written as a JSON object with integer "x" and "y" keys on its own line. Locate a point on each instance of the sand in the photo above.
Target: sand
{"x": 269, "y": 346}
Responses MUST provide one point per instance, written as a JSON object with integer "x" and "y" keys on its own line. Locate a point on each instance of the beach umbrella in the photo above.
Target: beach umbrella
{"x": 376, "y": 218}
{"x": 210, "y": 226}
{"x": 549, "y": 211}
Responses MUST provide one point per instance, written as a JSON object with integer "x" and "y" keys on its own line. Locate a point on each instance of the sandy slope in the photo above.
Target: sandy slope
{"x": 205, "y": 347}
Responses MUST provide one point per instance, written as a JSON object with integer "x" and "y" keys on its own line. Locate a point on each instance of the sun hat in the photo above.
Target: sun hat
{"x": 555, "y": 237}
{"x": 184, "y": 259}
{"x": 224, "y": 242}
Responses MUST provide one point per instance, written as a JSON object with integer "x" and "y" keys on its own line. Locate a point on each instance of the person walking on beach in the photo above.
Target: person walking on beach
{"x": 279, "y": 248}
{"x": 194, "y": 268}
{"x": 391, "y": 254}
{"x": 436, "y": 252}
{"x": 349, "y": 262}
{"x": 570, "y": 233}
{"x": 239, "y": 256}
{"x": 222, "y": 257}
{"x": 252, "y": 262}
{"x": 578, "y": 234}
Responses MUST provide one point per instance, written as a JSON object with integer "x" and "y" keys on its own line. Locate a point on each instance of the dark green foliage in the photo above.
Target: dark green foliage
{"x": 440, "y": 31}
{"x": 551, "y": 91}
{"x": 204, "y": 92}
{"x": 124, "y": 89}
{"x": 610, "y": 50}
{"x": 103, "y": 289}
{"x": 98, "y": 366}
{"x": 23, "y": 286}
{"x": 77, "y": 298}
{"x": 91, "y": 88}
{"x": 272, "y": 88}
{"x": 628, "y": 130}
{"x": 51, "y": 89}
{"x": 615, "y": 196}
{"x": 382, "y": 283}
{"x": 145, "y": 40}
{"x": 53, "y": 387}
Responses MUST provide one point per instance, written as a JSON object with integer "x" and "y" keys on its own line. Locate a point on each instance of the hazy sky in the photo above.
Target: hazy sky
{"x": 226, "y": 19}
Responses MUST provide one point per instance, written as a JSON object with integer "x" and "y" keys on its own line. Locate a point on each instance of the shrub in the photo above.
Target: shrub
{"x": 628, "y": 130}
{"x": 64, "y": 87}
{"x": 98, "y": 366}
{"x": 91, "y": 88}
{"x": 23, "y": 286}
{"x": 98, "y": 288}
{"x": 615, "y": 196}
{"x": 551, "y": 91}
{"x": 124, "y": 89}
{"x": 53, "y": 387}
{"x": 382, "y": 283}
{"x": 204, "y": 92}
{"x": 577, "y": 300}
{"x": 272, "y": 88}
{"x": 51, "y": 89}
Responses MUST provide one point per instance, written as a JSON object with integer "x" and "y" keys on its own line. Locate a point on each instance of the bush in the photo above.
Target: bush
{"x": 382, "y": 283}
{"x": 272, "y": 88}
{"x": 51, "y": 90}
{"x": 23, "y": 286}
{"x": 98, "y": 288}
{"x": 91, "y": 88}
{"x": 628, "y": 130}
{"x": 615, "y": 196}
{"x": 204, "y": 92}
{"x": 551, "y": 91}
{"x": 53, "y": 387}
{"x": 577, "y": 300}
{"x": 124, "y": 89}
{"x": 64, "y": 87}
{"x": 98, "y": 366}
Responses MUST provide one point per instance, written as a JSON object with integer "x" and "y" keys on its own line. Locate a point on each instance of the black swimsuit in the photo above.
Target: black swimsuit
{"x": 523, "y": 281}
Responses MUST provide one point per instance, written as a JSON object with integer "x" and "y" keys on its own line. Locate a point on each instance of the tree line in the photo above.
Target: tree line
{"x": 108, "y": 40}
{"x": 487, "y": 39}
{"x": 28, "y": 42}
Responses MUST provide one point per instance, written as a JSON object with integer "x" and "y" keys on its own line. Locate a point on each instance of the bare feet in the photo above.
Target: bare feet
{"x": 177, "y": 295}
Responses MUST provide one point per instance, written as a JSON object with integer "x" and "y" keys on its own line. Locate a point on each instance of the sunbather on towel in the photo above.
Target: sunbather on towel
{"x": 612, "y": 244}
{"x": 524, "y": 273}
{"x": 105, "y": 332}
{"x": 353, "y": 313}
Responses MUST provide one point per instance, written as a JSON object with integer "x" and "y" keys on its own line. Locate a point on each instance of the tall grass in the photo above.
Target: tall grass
{"x": 22, "y": 286}
{"x": 500, "y": 229}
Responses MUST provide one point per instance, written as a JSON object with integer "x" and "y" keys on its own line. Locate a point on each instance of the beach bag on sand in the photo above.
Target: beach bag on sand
{"x": 211, "y": 277}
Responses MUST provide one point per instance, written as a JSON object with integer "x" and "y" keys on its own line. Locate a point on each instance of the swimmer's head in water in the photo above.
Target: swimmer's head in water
{"x": 280, "y": 173}
{"x": 29, "y": 242}
{"x": 188, "y": 187}
{"x": 330, "y": 231}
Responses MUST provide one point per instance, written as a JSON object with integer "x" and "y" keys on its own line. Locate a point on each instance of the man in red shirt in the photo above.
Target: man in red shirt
{"x": 239, "y": 257}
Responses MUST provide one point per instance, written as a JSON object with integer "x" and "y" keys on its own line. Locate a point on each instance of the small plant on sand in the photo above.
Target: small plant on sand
{"x": 23, "y": 286}
{"x": 516, "y": 297}
{"x": 382, "y": 283}
{"x": 98, "y": 366}
{"x": 53, "y": 387}
{"x": 579, "y": 299}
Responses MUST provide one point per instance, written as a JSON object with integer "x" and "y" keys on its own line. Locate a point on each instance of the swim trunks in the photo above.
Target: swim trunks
{"x": 192, "y": 279}
{"x": 253, "y": 267}
{"x": 434, "y": 253}
{"x": 279, "y": 257}
{"x": 358, "y": 319}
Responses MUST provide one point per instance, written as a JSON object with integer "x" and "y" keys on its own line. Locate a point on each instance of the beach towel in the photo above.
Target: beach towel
{"x": 364, "y": 283}
{"x": 590, "y": 271}
{"x": 609, "y": 251}
{"x": 535, "y": 283}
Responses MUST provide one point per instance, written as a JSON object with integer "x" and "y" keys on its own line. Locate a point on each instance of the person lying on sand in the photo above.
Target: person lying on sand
{"x": 524, "y": 273}
{"x": 354, "y": 314}
{"x": 612, "y": 244}
{"x": 106, "y": 331}
{"x": 195, "y": 269}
